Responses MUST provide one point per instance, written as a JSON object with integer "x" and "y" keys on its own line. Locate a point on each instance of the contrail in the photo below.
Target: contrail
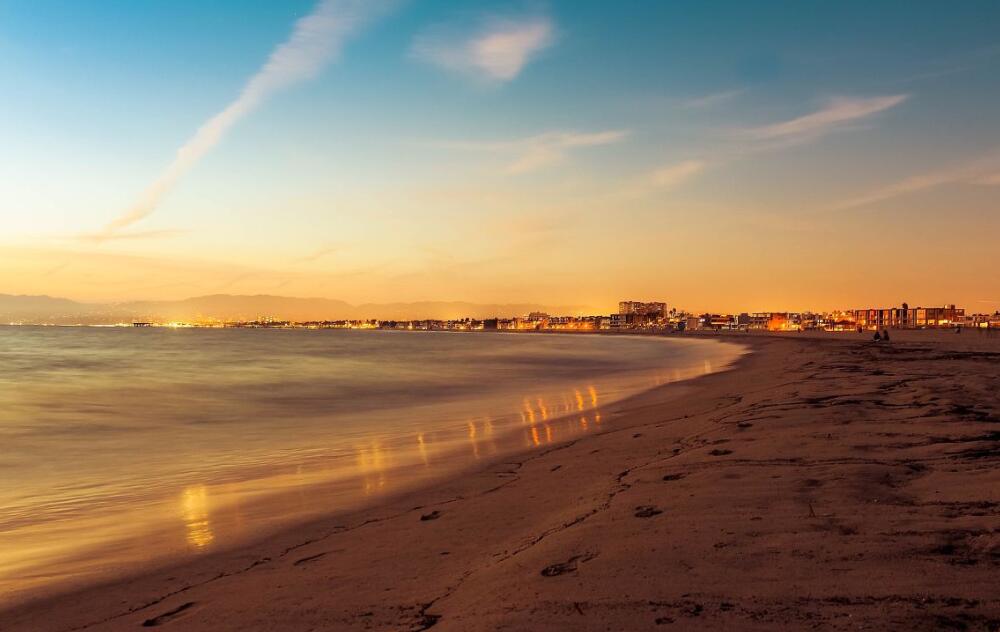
{"x": 316, "y": 40}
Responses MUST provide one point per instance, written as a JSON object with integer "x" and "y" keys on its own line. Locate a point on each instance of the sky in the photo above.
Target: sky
{"x": 723, "y": 156}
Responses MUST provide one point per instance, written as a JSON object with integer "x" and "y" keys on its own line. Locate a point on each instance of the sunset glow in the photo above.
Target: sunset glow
{"x": 352, "y": 150}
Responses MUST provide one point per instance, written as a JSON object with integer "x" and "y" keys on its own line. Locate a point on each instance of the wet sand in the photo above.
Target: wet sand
{"x": 824, "y": 483}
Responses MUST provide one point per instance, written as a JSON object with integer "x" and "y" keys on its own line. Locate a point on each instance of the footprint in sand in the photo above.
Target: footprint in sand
{"x": 647, "y": 511}
{"x": 673, "y": 477}
{"x": 308, "y": 559}
{"x": 569, "y": 566}
{"x": 167, "y": 616}
{"x": 426, "y": 621}
{"x": 718, "y": 452}
{"x": 434, "y": 515}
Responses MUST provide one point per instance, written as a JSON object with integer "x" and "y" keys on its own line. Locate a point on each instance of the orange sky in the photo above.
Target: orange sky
{"x": 572, "y": 154}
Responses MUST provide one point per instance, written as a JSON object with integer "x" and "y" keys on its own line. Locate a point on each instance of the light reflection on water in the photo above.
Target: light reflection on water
{"x": 194, "y": 508}
{"x": 378, "y": 465}
{"x": 135, "y": 455}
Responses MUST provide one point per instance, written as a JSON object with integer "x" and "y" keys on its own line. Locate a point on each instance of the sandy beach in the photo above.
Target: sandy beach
{"x": 825, "y": 482}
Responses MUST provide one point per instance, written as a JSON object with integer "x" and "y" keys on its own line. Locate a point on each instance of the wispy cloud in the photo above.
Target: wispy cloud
{"x": 498, "y": 51}
{"x": 315, "y": 40}
{"x": 896, "y": 189}
{"x": 539, "y": 151}
{"x": 668, "y": 177}
{"x": 983, "y": 171}
{"x": 662, "y": 179}
{"x": 837, "y": 113}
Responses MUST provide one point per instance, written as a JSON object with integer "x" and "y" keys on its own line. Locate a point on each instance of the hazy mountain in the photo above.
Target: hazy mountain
{"x": 42, "y": 309}
{"x": 237, "y": 307}
{"x": 46, "y": 309}
{"x": 10, "y": 303}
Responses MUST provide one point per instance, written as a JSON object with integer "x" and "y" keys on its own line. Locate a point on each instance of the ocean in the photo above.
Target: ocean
{"x": 121, "y": 447}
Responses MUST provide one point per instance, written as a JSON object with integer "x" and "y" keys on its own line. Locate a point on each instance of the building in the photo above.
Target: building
{"x": 755, "y": 321}
{"x": 651, "y": 311}
{"x": 638, "y": 314}
{"x": 948, "y": 316}
{"x": 905, "y": 317}
{"x": 622, "y": 321}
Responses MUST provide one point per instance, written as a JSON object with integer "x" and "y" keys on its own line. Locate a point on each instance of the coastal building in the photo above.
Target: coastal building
{"x": 983, "y": 321}
{"x": 622, "y": 321}
{"x": 638, "y": 314}
{"x": 648, "y": 311}
{"x": 783, "y": 321}
{"x": 836, "y": 321}
{"x": 754, "y": 321}
{"x": 938, "y": 316}
{"x": 574, "y": 323}
{"x": 905, "y": 317}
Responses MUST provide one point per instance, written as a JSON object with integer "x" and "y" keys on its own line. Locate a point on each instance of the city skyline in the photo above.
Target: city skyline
{"x": 228, "y": 310}
{"x": 741, "y": 157}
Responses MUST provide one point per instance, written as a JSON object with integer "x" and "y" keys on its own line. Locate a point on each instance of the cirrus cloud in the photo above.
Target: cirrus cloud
{"x": 837, "y": 112}
{"x": 671, "y": 176}
{"x": 315, "y": 40}
{"x": 984, "y": 171}
{"x": 538, "y": 151}
{"x": 498, "y": 51}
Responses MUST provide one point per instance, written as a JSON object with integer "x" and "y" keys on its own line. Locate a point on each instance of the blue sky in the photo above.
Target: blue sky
{"x": 561, "y": 152}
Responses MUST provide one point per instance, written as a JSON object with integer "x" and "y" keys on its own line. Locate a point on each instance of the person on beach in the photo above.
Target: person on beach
{"x": 876, "y": 337}
{"x": 885, "y": 335}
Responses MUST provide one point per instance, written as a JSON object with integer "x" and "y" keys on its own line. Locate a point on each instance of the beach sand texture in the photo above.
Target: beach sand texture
{"x": 824, "y": 483}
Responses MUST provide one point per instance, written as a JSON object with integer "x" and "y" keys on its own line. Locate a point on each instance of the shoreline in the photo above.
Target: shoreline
{"x": 408, "y": 479}
{"x": 604, "y": 528}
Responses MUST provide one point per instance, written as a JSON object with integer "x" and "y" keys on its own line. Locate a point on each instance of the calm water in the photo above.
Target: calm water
{"x": 122, "y": 446}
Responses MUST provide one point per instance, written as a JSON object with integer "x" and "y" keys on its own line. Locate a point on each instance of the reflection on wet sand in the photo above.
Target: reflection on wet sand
{"x": 382, "y": 464}
{"x": 340, "y": 476}
{"x": 372, "y": 461}
{"x": 423, "y": 448}
{"x": 472, "y": 440}
{"x": 198, "y": 440}
{"x": 194, "y": 509}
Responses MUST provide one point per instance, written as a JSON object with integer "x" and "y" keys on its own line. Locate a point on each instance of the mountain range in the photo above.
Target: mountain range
{"x": 228, "y": 307}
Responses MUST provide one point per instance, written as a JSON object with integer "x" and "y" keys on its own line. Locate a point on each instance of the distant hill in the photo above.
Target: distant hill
{"x": 443, "y": 310}
{"x": 22, "y": 303}
{"x": 239, "y": 307}
{"x": 50, "y": 310}
{"x": 21, "y": 308}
